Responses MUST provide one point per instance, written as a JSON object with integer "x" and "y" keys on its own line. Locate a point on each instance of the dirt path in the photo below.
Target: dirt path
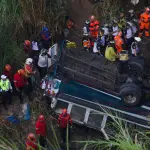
{"x": 79, "y": 12}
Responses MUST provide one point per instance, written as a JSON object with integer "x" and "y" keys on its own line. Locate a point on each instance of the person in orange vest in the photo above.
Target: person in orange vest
{"x": 94, "y": 27}
{"x": 119, "y": 42}
{"x": 144, "y": 22}
{"x": 41, "y": 130}
{"x": 86, "y": 42}
{"x": 31, "y": 142}
{"x": 69, "y": 22}
{"x": 64, "y": 122}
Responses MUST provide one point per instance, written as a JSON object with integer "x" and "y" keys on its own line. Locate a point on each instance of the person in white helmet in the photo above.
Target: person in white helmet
{"x": 29, "y": 72}
{"x": 134, "y": 46}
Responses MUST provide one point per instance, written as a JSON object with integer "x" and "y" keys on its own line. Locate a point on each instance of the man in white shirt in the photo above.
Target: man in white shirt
{"x": 44, "y": 62}
{"x": 128, "y": 33}
{"x": 115, "y": 28}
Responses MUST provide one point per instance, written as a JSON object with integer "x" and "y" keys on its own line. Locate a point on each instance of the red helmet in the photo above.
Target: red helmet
{"x": 21, "y": 72}
{"x": 8, "y": 67}
{"x": 31, "y": 136}
{"x": 27, "y": 42}
{"x": 41, "y": 118}
{"x": 64, "y": 111}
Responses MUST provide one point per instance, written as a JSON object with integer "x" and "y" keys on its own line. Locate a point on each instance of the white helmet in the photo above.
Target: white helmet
{"x": 29, "y": 61}
{"x": 138, "y": 39}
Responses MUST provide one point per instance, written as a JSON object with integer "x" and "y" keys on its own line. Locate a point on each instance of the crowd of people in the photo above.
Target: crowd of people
{"x": 115, "y": 41}
{"x": 20, "y": 82}
{"x": 119, "y": 39}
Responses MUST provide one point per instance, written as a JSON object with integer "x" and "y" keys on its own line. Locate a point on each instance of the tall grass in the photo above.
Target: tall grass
{"x": 107, "y": 10}
{"x": 23, "y": 19}
{"x": 123, "y": 137}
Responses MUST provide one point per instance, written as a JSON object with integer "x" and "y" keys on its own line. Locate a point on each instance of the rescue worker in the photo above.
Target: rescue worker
{"x": 44, "y": 62}
{"x": 94, "y": 27}
{"x": 131, "y": 15}
{"x": 6, "y": 90}
{"x": 45, "y": 37}
{"x": 110, "y": 53}
{"x": 123, "y": 60}
{"x": 64, "y": 122}
{"x": 122, "y": 21}
{"x": 29, "y": 72}
{"x": 8, "y": 72}
{"x": 21, "y": 83}
{"x": 134, "y": 46}
{"x": 86, "y": 42}
{"x": 144, "y": 22}
{"x": 27, "y": 47}
{"x": 41, "y": 130}
{"x": 128, "y": 35}
{"x": 86, "y": 30}
{"x": 69, "y": 22}
{"x": 101, "y": 42}
{"x": 119, "y": 42}
{"x": 31, "y": 142}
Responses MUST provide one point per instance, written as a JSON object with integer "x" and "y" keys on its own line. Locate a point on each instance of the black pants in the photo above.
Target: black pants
{"x": 42, "y": 141}
{"x": 30, "y": 86}
{"x": 122, "y": 66}
{"x": 7, "y": 98}
{"x": 42, "y": 71}
{"x": 129, "y": 42}
{"x": 63, "y": 134}
{"x": 21, "y": 91}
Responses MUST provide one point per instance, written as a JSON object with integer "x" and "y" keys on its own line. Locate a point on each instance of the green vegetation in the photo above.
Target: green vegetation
{"x": 22, "y": 20}
{"x": 107, "y": 10}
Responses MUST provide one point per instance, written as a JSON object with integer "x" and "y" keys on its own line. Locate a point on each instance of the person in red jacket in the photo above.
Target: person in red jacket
{"x": 8, "y": 72}
{"x": 31, "y": 142}
{"x": 27, "y": 47}
{"x": 64, "y": 122}
{"x": 41, "y": 130}
{"x": 20, "y": 83}
{"x": 94, "y": 27}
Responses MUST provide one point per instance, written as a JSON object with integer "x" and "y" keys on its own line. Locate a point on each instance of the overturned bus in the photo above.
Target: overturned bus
{"x": 89, "y": 86}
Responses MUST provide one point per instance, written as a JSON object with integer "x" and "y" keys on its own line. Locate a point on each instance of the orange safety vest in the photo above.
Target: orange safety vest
{"x": 86, "y": 43}
{"x": 118, "y": 43}
{"x": 94, "y": 26}
{"x": 145, "y": 17}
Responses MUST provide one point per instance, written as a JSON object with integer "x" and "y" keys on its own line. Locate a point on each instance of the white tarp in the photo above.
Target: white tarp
{"x": 134, "y": 2}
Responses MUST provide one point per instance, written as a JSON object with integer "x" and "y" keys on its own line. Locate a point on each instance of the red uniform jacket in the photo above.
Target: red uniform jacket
{"x": 94, "y": 27}
{"x": 64, "y": 121}
{"x": 19, "y": 81}
{"x": 145, "y": 17}
{"x": 41, "y": 128}
{"x": 31, "y": 145}
{"x": 9, "y": 75}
